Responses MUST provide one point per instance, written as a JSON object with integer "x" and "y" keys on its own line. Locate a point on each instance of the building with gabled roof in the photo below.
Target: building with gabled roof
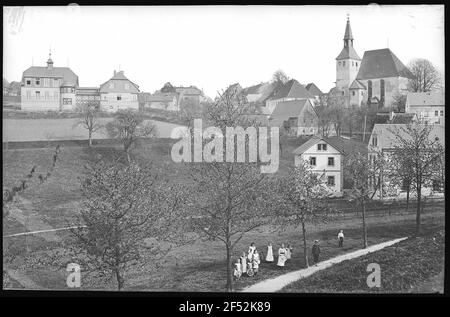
{"x": 119, "y": 93}
{"x": 314, "y": 90}
{"x": 48, "y": 87}
{"x": 296, "y": 117}
{"x": 291, "y": 90}
{"x": 428, "y": 106}
{"x": 374, "y": 79}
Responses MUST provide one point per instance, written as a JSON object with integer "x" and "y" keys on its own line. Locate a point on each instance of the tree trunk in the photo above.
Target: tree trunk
{"x": 305, "y": 248}
{"x": 90, "y": 138}
{"x": 363, "y": 205}
{"x": 419, "y": 199}
{"x": 229, "y": 269}
{"x": 408, "y": 189}
{"x": 119, "y": 279}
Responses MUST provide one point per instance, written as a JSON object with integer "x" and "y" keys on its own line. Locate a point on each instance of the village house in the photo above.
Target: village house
{"x": 296, "y": 117}
{"x": 291, "y": 90}
{"x": 374, "y": 80}
{"x": 382, "y": 141}
{"x": 257, "y": 95}
{"x": 314, "y": 91}
{"x": 428, "y": 106}
{"x": 118, "y": 93}
{"x": 87, "y": 96}
{"x": 48, "y": 88}
{"x": 395, "y": 118}
{"x": 159, "y": 100}
{"x": 324, "y": 158}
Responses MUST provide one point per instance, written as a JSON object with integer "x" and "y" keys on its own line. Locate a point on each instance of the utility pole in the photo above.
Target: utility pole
{"x": 364, "y": 132}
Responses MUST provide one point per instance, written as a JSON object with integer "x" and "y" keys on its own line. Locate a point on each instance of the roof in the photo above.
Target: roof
{"x": 348, "y": 52}
{"x": 313, "y": 89}
{"x": 356, "y": 84}
{"x": 120, "y": 79}
{"x": 87, "y": 90}
{"x": 403, "y": 118}
{"x": 191, "y": 90}
{"x": 386, "y": 138}
{"x": 425, "y": 99}
{"x": 292, "y": 89}
{"x": 287, "y": 109}
{"x": 68, "y": 76}
{"x": 253, "y": 89}
{"x": 382, "y": 63}
{"x": 344, "y": 146}
{"x": 348, "y": 31}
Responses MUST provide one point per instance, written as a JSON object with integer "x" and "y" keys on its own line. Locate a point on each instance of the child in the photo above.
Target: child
{"x": 288, "y": 252}
{"x": 281, "y": 256}
{"x": 251, "y": 249}
{"x": 256, "y": 262}
{"x": 316, "y": 251}
{"x": 269, "y": 257}
{"x": 341, "y": 238}
{"x": 238, "y": 269}
{"x": 244, "y": 263}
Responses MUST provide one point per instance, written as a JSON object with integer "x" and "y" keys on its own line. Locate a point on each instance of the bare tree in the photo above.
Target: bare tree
{"x": 325, "y": 120}
{"x": 89, "y": 119}
{"x": 364, "y": 175}
{"x": 425, "y": 76}
{"x": 229, "y": 199}
{"x": 399, "y": 102}
{"x": 279, "y": 78}
{"x": 424, "y": 151}
{"x": 123, "y": 205}
{"x": 302, "y": 201}
{"x": 129, "y": 126}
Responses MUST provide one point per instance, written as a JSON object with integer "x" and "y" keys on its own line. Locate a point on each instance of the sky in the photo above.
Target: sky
{"x": 212, "y": 47}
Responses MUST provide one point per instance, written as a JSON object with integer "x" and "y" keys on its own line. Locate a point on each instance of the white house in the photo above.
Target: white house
{"x": 119, "y": 93}
{"x": 325, "y": 157}
{"x": 428, "y": 106}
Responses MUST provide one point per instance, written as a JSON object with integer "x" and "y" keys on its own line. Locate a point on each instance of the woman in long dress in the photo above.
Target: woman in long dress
{"x": 256, "y": 262}
{"x": 269, "y": 256}
{"x": 281, "y": 256}
{"x": 251, "y": 249}
{"x": 244, "y": 263}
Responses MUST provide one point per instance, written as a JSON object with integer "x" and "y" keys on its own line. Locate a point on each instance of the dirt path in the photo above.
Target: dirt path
{"x": 277, "y": 283}
{"x": 30, "y": 218}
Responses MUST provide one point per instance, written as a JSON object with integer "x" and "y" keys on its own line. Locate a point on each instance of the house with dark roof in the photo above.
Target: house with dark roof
{"x": 428, "y": 106}
{"x": 48, "y": 88}
{"x": 118, "y": 93}
{"x": 291, "y": 90}
{"x": 314, "y": 90}
{"x": 159, "y": 100}
{"x": 374, "y": 79}
{"x": 325, "y": 157}
{"x": 296, "y": 117}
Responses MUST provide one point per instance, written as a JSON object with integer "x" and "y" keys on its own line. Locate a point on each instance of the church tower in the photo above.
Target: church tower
{"x": 347, "y": 62}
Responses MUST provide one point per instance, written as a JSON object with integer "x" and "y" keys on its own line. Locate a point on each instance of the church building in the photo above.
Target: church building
{"x": 374, "y": 80}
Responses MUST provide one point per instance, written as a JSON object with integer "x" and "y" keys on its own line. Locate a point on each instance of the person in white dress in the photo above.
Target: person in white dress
{"x": 251, "y": 249}
{"x": 269, "y": 256}
{"x": 341, "y": 238}
{"x": 256, "y": 262}
{"x": 238, "y": 269}
{"x": 244, "y": 262}
{"x": 281, "y": 256}
{"x": 288, "y": 252}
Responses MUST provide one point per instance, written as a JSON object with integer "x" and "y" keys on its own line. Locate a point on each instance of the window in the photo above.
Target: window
{"x": 369, "y": 90}
{"x": 436, "y": 113}
{"x": 119, "y": 97}
{"x": 353, "y": 93}
{"x": 321, "y": 147}
{"x": 38, "y": 95}
{"x": 353, "y": 63}
{"x": 28, "y": 82}
{"x": 312, "y": 161}
{"x": 343, "y": 93}
{"x": 339, "y": 63}
{"x": 38, "y": 81}
{"x": 330, "y": 181}
{"x": 374, "y": 141}
{"x": 343, "y": 63}
{"x": 331, "y": 161}
{"x": 442, "y": 113}
{"x": 356, "y": 64}
{"x": 67, "y": 101}
{"x": 382, "y": 91}
{"x": 426, "y": 114}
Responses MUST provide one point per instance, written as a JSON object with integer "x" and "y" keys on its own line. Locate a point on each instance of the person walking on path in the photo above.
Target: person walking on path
{"x": 269, "y": 256}
{"x": 316, "y": 251}
{"x": 341, "y": 238}
{"x": 281, "y": 256}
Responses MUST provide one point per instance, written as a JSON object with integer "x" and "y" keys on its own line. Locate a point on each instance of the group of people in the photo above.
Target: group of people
{"x": 249, "y": 262}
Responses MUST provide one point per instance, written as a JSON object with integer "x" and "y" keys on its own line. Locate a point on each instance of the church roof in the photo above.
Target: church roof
{"x": 356, "y": 84}
{"x": 313, "y": 89}
{"x": 348, "y": 31}
{"x": 382, "y": 63}
{"x": 292, "y": 89}
{"x": 347, "y": 53}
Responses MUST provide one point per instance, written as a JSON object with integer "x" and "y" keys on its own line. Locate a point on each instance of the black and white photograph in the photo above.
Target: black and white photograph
{"x": 256, "y": 149}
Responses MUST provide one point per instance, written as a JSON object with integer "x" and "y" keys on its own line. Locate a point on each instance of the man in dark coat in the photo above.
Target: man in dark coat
{"x": 316, "y": 251}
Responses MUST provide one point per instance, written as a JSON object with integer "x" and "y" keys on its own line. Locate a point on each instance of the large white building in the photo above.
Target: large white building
{"x": 325, "y": 158}
{"x": 118, "y": 93}
{"x": 429, "y": 107}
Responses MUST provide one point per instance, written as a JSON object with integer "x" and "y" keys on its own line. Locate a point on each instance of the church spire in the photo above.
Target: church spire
{"x": 50, "y": 61}
{"x": 348, "y": 36}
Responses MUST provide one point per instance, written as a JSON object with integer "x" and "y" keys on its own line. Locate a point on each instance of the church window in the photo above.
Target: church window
{"x": 343, "y": 63}
{"x": 369, "y": 90}
{"x": 382, "y": 89}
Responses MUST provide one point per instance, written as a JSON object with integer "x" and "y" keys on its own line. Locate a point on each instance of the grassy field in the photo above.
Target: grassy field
{"x": 405, "y": 267}
{"x": 196, "y": 267}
